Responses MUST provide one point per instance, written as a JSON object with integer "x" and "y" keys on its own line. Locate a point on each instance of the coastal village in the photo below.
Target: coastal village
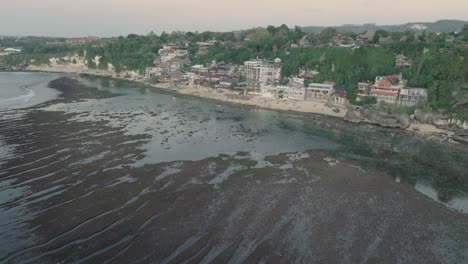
{"x": 262, "y": 81}
{"x": 260, "y": 77}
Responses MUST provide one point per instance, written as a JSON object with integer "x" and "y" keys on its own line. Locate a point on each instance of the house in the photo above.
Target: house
{"x": 200, "y": 69}
{"x": 339, "y": 95}
{"x": 386, "y": 88}
{"x": 293, "y": 93}
{"x": 392, "y": 89}
{"x": 319, "y": 91}
{"x": 298, "y": 81}
{"x": 12, "y": 50}
{"x": 227, "y": 83}
{"x": 363, "y": 90}
{"x": 367, "y": 38}
{"x": 191, "y": 77}
{"x": 262, "y": 71}
{"x": 151, "y": 71}
{"x": 306, "y": 74}
{"x": 450, "y": 39}
{"x": 403, "y": 61}
{"x": 204, "y": 46}
{"x": 337, "y": 39}
{"x": 171, "y": 51}
{"x": 176, "y": 77}
{"x": 412, "y": 96}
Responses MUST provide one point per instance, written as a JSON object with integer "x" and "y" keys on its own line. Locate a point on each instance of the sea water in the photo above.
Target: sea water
{"x": 20, "y": 89}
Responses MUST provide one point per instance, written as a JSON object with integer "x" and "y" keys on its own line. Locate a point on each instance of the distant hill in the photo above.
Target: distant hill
{"x": 438, "y": 26}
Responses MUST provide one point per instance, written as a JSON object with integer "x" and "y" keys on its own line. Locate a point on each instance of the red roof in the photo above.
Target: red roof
{"x": 393, "y": 79}
{"x": 384, "y": 93}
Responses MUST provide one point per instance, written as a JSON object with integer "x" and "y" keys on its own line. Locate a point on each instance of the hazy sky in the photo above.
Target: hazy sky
{"x": 121, "y": 17}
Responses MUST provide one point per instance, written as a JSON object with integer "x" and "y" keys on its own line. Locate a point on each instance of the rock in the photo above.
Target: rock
{"x": 461, "y": 138}
{"x": 353, "y": 116}
{"x": 425, "y": 117}
{"x": 372, "y": 116}
{"x": 404, "y": 120}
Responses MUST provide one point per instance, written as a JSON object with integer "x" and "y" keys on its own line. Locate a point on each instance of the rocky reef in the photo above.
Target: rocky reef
{"x": 377, "y": 117}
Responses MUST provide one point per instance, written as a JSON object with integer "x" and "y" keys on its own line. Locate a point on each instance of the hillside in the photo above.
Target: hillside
{"x": 438, "y": 26}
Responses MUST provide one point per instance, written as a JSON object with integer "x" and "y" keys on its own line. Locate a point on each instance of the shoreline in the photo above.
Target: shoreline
{"x": 305, "y": 107}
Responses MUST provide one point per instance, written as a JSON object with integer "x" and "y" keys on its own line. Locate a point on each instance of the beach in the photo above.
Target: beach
{"x": 316, "y": 107}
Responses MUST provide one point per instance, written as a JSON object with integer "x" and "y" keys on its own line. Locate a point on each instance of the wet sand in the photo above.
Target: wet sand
{"x": 75, "y": 195}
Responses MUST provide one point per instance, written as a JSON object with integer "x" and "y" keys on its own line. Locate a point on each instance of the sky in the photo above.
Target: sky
{"x": 74, "y": 18}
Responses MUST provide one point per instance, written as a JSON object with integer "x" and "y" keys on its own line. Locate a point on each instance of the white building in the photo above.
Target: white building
{"x": 12, "y": 50}
{"x": 411, "y": 96}
{"x": 261, "y": 71}
{"x": 170, "y": 52}
{"x": 319, "y": 91}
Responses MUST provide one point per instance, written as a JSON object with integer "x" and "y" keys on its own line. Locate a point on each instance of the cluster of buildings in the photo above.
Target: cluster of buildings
{"x": 392, "y": 89}
{"x": 82, "y": 40}
{"x": 262, "y": 76}
{"x": 172, "y": 51}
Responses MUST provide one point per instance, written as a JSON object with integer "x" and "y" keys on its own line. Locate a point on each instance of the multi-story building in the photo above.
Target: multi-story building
{"x": 386, "y": 88}
{"x": 261, "y": 71}
{"x": 403, "y": 61}
{"x": 392, "y": 89}
{"x": 319, "y": 91}
{"x": 363, "y": 91}
{"x": 171, "y": 51}
{"x": 411, "y": 96}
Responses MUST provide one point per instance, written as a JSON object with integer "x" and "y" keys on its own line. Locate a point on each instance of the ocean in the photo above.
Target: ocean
{"x": 125, "y": 173}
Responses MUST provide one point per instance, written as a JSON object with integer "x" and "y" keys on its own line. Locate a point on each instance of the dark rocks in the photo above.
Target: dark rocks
{"x": 376, "y": 117}
{"x": 461, "y": 136}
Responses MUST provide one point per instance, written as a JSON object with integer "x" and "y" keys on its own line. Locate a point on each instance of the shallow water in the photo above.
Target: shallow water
{"x": 111, "y": 176}
{"x": 20, "y": 90}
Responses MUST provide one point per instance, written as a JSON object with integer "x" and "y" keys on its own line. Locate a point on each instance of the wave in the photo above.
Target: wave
{"x": 24, "y": 98}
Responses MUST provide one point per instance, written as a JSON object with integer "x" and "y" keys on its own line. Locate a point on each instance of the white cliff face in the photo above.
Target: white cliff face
{"x": 97, "y": 60}
{"x": 74, "y": 63}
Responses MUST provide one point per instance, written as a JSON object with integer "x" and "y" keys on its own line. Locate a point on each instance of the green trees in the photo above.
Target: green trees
{"x": 464, "y": 33}
{"x": 438, "y": 66}
{"x": 379, "y": 34}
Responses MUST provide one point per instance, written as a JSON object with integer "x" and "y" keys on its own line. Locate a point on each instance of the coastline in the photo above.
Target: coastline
{"x": 311, "y": 107}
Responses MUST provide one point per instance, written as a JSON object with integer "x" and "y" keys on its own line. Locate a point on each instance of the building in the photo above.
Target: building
{"x": 339, "y": 95}
{"x": 363, "y": 91}
{"x": 403, "y": 61}
{"x": 386, "y": 88}
{"x": 171, "y": 51}
{"x": 261, "y": 71}
{"x": 392, "y": 89}
{"x": 81, "y": 40}
{"x": 12, "y": 50}
{"x": 319, "y": 91}
{"x": 200, "y": 69}
{"x": 227, "y": 83}
{"x": 366, "y": 38}
{"x": 412, "y": 96}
